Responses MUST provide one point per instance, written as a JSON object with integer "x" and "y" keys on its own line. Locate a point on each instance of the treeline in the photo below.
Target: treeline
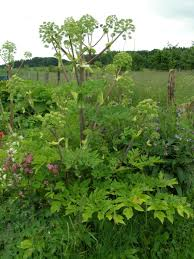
{"x": 39, "y": 62}
{"x": 171, "y": 57}
{"x": 168, "y": 58}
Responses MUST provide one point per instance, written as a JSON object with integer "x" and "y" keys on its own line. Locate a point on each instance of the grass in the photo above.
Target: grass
{"x": 148, "y": 84}
{"x": 153, "y": 84}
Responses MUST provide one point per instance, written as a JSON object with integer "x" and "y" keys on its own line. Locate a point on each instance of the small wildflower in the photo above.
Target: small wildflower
{"x": 5, "y": 167}
{"x": 28, "y": 159}
{"x": 50, "y": 167}
{"x": 12, "y": 151}
{"x": 15, "y": 167}
{"x": 178, "y": 137}
{"x": 21, "y": 194}
{"x": 53, "y": 168}
{"x": 1, "y": 134}
{"x": 46, "y": 182}
{"x": 28, "y": 170}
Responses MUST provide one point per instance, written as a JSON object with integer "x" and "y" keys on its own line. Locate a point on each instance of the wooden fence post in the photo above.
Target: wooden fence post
{"x": 46, "y": 77}
{"x": 58, "y": 77}
{"x": 171, "y": 87}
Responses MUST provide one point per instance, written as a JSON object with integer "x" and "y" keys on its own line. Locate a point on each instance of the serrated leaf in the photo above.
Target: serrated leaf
{"x": 109, "y": 215}
{"x": 160, "y": 215}
{"x": 128, "y": 212}
{"x": 189, "y": 212}
{"x": 180, "y": 210}
{"x": 28, "y": 253}
{"x": 70, "y": 209}
{"x": 118, "y": 219}
{"x": 170, "y": 217}
{"x": 100, "y": 98}
{"x": 26, "y": 244}
{"x": 55, "y": 206}
{"x": 138, "y": 207}
{"x": 138, "y": 133}
{"x": 118, "y": 206}
{"x": 87, "y": 215}
{"x": 75, "y": 95}
{"x": 60, "y": 186}
{"x": 100, "y": 215}
{"x": 172, "y": 182}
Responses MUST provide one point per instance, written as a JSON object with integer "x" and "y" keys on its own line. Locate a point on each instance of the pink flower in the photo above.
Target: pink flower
{"x": 50, "y": 167}
{"x": 6, "y": 167}
{"x": 15, "y": 167}
{"x": 1, "y": 134}
{"x": 28, "y": 159}
{"x": 53, "y": 168}
{"x": 28, "y": 170}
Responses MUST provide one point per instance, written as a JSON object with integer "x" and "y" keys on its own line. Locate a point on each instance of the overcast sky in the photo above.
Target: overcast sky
{"x": 157, "y": 21}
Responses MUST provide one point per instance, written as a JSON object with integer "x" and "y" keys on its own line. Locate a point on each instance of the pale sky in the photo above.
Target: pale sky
{"x": 157, "y": 21}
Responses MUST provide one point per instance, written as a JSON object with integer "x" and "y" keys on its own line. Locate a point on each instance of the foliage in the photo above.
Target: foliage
{"x": 118, "y": 176}
{"x": 7, "y": 52}
{"x": 165, "y": 59}
{"x": 124, "y": 191}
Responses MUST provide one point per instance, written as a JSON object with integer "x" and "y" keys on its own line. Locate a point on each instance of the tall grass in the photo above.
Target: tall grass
{"x": 153, "y": 84}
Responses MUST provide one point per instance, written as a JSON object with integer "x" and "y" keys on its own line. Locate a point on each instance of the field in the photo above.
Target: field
{"x": 148, "y": 83}
{"x": 153, "y": 84}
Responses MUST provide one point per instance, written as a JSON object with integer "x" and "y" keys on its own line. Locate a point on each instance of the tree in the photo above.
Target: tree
{"x": 122, "y": 61}
{"x": 75, "y": 39}
{"x": 7, "y": 52}
{"x": 138, "y": 61}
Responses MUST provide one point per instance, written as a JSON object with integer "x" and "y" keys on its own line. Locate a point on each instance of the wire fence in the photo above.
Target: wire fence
{"x": 55, "y": 78}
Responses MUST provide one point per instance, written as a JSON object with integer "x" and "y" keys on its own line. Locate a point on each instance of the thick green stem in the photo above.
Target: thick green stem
{"x": 2, "y": 112}
{"x": 60, "y": 148}
{"x": 3, "y": 117}
{"x": 11, "y": 113}
{"x": 81, "y": 112}
{"x": 9, "y": 69}
{"x": 82, "y": 124}
{"x": 80, "y": 79}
